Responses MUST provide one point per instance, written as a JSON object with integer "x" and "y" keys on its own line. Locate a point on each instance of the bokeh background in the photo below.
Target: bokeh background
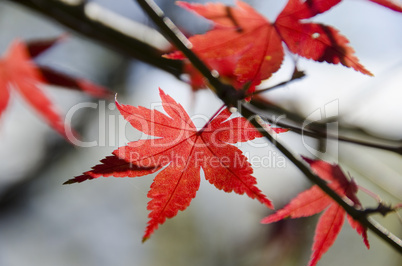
{"x": 101, "y": 222}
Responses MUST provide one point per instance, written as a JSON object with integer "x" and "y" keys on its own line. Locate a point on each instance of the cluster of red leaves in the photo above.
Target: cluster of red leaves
{"x": 19, "y": 72}
{"x": 182, "y": 151}
{"x": 241, "y": 33}
{"x": 314, "y": 200}
{"x": 245, "y": 48}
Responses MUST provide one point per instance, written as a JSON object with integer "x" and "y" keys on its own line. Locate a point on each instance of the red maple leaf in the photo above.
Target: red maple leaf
{"x": 19, "y": 72}
{"x": 181, "y": 150}
{"x": 314, "y": 200}
{"x": 243, "y": 31}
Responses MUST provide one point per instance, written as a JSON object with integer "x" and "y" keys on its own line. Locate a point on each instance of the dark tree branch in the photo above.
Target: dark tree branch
{"x": 226, "y": 91}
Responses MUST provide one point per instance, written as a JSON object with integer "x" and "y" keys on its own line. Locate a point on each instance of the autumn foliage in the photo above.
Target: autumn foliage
{"x": 242, "y": 32}
{"x": 245, "y": 48}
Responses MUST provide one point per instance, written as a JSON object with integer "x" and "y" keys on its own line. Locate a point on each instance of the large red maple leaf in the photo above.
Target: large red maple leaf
{"x": 19, "y": 72}
{"x": 314, "y": 200}
{"x": 181, "y": 150}
{"x": 242, "y": 30}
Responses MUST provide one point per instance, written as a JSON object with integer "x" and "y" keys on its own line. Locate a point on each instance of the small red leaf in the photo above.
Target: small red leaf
{"x": 314, "y": 200}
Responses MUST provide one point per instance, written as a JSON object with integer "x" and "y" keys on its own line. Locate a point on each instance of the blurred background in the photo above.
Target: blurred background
{"x": 101, "y": 222}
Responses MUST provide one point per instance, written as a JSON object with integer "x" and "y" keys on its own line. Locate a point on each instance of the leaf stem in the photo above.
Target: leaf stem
{"x": 370, "y": 193}
{"x": 295, "y": 76}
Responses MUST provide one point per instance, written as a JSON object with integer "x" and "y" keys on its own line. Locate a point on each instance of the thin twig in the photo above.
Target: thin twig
{"x": 381, "y": 209}
{"x": 317, "y": 131}
{"x": 296, "y": 75}
{"x": 177, "y": 38}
